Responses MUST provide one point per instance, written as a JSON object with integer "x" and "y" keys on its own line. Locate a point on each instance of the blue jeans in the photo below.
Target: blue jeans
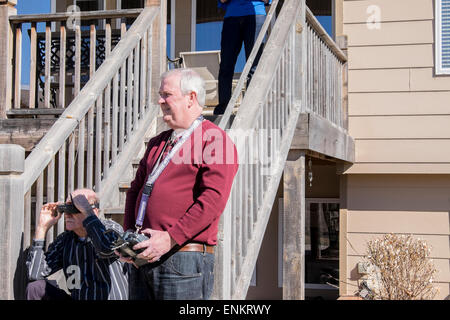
{"x": 235, "y": 31}
{"x": 181, "y": 276}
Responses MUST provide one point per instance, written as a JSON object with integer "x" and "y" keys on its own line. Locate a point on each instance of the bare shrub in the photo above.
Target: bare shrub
{"x": 398, "y": 268}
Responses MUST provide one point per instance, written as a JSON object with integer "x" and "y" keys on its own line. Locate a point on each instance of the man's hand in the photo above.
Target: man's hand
{"x": 82, "y": 204}
{"x": 159, "y": 244}
{"x": 48, "y": 217}
{"x": 123, "y": 259}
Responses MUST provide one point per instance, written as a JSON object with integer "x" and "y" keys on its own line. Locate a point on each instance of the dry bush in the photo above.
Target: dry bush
{"x": 399, "y": 268}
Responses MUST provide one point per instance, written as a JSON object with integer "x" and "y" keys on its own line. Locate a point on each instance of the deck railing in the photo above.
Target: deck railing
{"x": 324, "y": 74}
{"x": 65, "y": 49}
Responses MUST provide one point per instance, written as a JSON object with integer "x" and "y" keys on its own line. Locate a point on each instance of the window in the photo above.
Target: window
{"x": 442, "y": 36}
{"x": 89, "y": 5}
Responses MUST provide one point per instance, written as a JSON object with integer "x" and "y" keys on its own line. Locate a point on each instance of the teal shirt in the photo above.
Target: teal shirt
{"x": 239, "y": 8}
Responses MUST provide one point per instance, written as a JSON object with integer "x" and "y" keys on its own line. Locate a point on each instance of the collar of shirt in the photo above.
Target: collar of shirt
{"x": 176, "y": 134}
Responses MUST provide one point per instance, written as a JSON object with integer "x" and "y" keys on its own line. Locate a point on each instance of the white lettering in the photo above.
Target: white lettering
{"x": 373, "y": 21}
{"x": 190, "y": 310}
{"x": 73, "y": 281}
{"x": 246, "y": 309}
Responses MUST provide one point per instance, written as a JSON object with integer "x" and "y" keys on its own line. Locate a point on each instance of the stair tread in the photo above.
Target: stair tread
{"x": 119, "y": 210}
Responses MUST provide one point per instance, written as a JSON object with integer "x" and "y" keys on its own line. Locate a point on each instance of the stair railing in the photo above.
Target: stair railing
{"x": 110, "y": 114}
{"x": 262, "y": 131}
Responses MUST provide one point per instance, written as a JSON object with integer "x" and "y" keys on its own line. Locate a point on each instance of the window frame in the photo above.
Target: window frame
{"x": 440, "y": 70}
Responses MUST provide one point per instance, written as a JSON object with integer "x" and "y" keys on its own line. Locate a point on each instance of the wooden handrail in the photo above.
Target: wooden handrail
{"x": 82, "y": 15}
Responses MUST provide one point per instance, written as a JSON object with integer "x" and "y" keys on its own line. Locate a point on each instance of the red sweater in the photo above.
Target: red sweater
{"x": 191, "y": 193}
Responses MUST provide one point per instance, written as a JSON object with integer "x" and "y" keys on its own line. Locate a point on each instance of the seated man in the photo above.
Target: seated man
{"x": 83, "y": 252}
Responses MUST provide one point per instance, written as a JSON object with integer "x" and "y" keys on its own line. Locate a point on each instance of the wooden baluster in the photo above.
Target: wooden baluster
{"x": 90, "y": 121}
{"x": 62, "y": 66}
{"x": 129, "y": 95}
{"x": 33, "y": 50}
{"x": 143, "y": 77}
{"x": 115, "y": 110}
{"x": 98, "y": 142}
{"x": 244, "y": 201}
{"x": 122, "y": 112}
{"x": 27, "y": 236}
{"x": 107, "y": 120}
{"x": 50, "y": 193}
{"x": 316, "y": 75}
{"x": 77, "y": 80}
{"x": 136, "y": 101}
{"x": 18, "y": 66}
{"x": 48, "y": 61}
{"x": 234, "y": 221}
{"x": 92, "y": 50}
{"x": 80, "y": 153}
{"x": 71, "y": 164}
{"x": 61, "y": 183}
{"x": 39, "y": 198}
{"x": 149, "y": 67}
{"x": 251, "y": 183}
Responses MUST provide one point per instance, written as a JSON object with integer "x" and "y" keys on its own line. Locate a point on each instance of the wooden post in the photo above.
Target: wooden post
{"x": 294, "y": 227}
{"x": 158, "y": 46}
{"x": 343, "y": 208}
{"x": 7, "y": 8}
{"x": 12, "y": 163}
{"x": 342, "y": 43}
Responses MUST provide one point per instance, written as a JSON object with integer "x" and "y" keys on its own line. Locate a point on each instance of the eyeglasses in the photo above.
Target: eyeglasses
{"x": 70, "y": 207}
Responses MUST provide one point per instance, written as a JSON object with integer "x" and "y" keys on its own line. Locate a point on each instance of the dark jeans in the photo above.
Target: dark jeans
{"x": 45, "y": 290}
{"x": 181, "y": 276}
{"x": 235, "y": 31}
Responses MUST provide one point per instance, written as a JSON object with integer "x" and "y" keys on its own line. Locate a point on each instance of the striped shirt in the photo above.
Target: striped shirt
{"x": 91, "y": 268}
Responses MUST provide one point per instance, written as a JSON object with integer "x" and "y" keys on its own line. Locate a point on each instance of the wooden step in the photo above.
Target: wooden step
{"x": 115, "y": 214}
{"x": 35, "y": 113}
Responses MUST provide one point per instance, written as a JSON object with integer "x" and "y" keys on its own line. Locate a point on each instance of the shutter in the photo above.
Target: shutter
{"x": 443, "y": 36}
{"x": 445, "y": 32}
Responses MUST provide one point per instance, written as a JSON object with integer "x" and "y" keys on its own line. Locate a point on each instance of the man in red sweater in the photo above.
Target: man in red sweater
{"x": 183, "y": 209}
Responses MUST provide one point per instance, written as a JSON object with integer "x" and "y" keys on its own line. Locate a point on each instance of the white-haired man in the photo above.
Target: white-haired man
{"x": 182, "y": 207}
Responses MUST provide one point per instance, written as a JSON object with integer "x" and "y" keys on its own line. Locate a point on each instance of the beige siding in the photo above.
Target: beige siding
{"x": 399, "y": 116}
{"x": 379, "y": 80}
{"x": 400, "y": 127}
{"x": 423, "y": 79}
{"x": 391, "y": 73}
{"x": 391, "y": 10}
{"x": 399, "y": 103}
{"x": 401, "y": 168}
{"x": 390, "y": 57}
{"x": 390, "y": 33}
{"x": 400, "y": 204}
{"x": 439, "y": 244}
{"x": 408, "y": 151}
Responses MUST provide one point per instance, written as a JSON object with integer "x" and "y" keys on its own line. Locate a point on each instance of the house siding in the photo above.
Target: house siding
{"x": 399, "y": 116}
